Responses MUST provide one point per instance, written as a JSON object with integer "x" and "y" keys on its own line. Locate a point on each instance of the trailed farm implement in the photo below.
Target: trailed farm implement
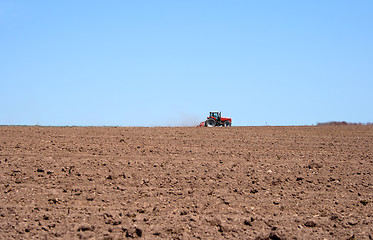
{"x": 216, "y": 120}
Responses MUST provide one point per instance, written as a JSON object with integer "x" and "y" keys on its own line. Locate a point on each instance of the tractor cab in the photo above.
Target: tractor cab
{"x": 216, "y": 115}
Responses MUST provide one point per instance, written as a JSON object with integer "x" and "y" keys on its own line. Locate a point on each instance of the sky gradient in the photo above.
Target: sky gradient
{"x": 168, "y": 63}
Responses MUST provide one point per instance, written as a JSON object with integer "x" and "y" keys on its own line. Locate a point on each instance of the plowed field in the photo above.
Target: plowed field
{"x": 186, "y": 183}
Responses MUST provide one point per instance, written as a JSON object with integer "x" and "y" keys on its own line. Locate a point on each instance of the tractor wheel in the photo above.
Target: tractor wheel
{"x": 227, "y": 124}
{"x": 210, "y": 122}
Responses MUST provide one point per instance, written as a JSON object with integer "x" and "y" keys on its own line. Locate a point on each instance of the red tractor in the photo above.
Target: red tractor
{"x": 215, "y": 119}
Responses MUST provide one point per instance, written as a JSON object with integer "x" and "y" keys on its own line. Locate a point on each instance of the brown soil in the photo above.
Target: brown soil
{"x": 186, "y": 183}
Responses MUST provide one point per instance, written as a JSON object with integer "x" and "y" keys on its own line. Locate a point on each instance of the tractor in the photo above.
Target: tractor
{"x": 215, "y": 119}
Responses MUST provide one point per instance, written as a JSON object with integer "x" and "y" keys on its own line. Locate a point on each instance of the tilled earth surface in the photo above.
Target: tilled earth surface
{"x": 186, "y": 183}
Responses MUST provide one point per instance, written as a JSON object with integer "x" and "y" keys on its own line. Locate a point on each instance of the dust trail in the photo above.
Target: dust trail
{"x": 190, "y": 121}
{"x": 186, "y": 120}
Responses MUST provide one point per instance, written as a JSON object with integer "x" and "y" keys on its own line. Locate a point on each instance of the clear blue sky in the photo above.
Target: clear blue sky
{"x": 167, "y": 63}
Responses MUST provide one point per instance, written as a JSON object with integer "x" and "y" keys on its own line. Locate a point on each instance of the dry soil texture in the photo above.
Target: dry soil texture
{"x": 186, "y": 183}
